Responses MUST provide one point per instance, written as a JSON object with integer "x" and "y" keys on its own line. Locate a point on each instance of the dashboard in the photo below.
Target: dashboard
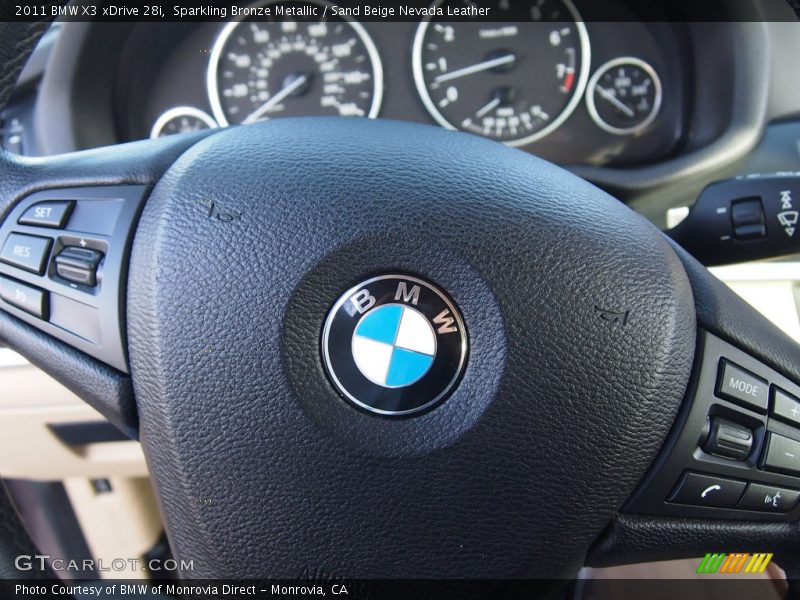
{"x": 569, "y": 90}
{"x": 648, "y": 103}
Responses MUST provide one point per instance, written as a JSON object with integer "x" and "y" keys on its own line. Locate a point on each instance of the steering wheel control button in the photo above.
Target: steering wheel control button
{"x": 747, "y": 217}
{"x": 765, "y": 498}
{"x": 728, "y": 440}
{"x": 783, "y": 455}
{"x": 78, "y": 265}
{"x": 394, "y": 345}
{"x": 27, "y": 252}
{"x": 785, "y": 406}
{"x": 708, "y": 490}
{"x": 24, "y": 297}
{"x": 738, "y": 385}
{"x": 54, "y": 214}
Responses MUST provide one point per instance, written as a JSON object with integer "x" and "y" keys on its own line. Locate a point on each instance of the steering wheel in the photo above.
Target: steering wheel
{"x": 589, "y": 343}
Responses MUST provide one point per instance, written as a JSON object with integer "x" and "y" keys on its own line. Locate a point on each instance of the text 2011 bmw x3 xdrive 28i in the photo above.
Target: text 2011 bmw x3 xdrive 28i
{"x": 388, "y": 299}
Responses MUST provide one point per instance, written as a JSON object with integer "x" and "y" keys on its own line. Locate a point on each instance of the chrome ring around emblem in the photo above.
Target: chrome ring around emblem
{"x": 394, "y": 345}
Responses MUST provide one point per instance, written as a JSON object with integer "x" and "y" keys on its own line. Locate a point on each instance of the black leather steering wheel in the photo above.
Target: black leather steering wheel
{"x": 587, "y": 329}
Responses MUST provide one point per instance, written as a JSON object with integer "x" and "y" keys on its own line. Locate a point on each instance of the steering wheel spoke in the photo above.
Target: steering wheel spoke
{"x": 728, "y": 477}
{"x": 65, "y": 235}
{"x": 63, "y": 262}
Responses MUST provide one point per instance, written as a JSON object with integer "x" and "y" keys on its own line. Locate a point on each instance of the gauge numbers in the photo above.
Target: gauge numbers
{"x": 298, "y": 66}
{"x": 181, "y": 119}
{"x": 624, "y": 96}
{"x": 513, "y": 81}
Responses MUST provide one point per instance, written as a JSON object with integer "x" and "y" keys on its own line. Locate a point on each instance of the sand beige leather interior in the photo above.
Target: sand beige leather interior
{"x": 122, "y": 521}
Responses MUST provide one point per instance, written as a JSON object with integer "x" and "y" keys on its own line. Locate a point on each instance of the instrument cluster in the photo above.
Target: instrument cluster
{"x": 572, "y": 91}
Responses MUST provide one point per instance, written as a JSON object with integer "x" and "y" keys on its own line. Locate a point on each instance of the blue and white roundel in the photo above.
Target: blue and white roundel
{"x": 394, "y": 345}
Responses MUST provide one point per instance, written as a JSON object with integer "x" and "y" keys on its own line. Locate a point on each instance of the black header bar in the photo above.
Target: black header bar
{"x": 391, "y": 10}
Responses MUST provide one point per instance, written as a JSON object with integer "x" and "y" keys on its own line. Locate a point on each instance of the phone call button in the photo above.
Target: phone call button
{"x": 707, "y": 490}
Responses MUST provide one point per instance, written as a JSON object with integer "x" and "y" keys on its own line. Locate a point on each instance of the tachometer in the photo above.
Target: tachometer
{"x": 293, "y": 65}
{"x": 513, "y": 81}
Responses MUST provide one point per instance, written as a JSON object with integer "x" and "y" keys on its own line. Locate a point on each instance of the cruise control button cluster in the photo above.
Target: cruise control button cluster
{"x": 63, "y": 256}
{"x": 739, "y": 385}
{"x": 27, "y": 252}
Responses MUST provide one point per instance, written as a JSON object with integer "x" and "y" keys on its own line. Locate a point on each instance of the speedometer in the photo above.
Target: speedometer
{"x": 293, "y": 63}
{"x": 514, "y": 81}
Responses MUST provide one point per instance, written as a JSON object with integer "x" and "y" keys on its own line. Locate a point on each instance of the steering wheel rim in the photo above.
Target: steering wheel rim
{"x": 628, "y": 536}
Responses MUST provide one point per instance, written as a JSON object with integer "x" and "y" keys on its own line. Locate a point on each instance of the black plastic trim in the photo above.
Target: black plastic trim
{"x": 50, "y": 519}
{"x": 101, "y": 386}
{"x": 87, "y": 432}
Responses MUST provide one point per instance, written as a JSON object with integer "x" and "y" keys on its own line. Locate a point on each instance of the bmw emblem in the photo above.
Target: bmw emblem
{"x": 394, "y": 345}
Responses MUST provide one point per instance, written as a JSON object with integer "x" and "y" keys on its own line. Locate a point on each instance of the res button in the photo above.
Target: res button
{"x": 53, "y": 214}
{"x": 741, "y": 386}
{"x": 27, "y": 252}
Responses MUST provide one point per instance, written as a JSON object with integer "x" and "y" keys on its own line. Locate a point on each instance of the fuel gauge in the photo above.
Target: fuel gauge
{"x": 181, "y": 119}
{"x": 624, "y": 96}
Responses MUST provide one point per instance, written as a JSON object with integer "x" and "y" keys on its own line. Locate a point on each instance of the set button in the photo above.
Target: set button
{"x": 53, "y": 213}
{"x": 27, "y": 252}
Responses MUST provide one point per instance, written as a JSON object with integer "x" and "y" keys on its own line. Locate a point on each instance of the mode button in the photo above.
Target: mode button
{"x": 738, "y": 385}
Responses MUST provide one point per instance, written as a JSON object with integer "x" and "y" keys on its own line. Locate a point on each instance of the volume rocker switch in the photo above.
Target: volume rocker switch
{"x": 728, "y": 440}
{"x": 78, "y": 265}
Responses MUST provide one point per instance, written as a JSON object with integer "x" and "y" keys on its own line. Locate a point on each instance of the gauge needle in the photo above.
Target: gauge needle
{"x": 615, "y": 101}
{"x": 477, "y": 68}
{"x": 489, "y": 106}
{"x": 270, "y": 104}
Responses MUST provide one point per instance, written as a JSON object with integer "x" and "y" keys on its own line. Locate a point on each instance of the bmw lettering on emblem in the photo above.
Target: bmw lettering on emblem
{"x": 394, "y": 345}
